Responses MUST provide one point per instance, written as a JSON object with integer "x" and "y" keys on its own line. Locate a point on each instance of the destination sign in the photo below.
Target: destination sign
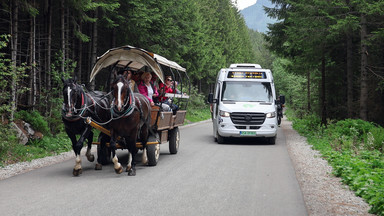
{"x": 246, "y": 75}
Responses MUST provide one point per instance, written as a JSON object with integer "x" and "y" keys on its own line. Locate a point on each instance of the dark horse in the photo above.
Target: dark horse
{"x": 77, "y": 106}
{"x": 131, "y": 120}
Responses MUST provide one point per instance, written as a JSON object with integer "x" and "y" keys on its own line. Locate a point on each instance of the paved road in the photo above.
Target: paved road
{"x": 243, "y": 177}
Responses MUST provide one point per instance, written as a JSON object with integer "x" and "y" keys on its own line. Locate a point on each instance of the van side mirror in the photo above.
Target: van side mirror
{"x": 210, "y": 98}
{"x": 282, "y": 99}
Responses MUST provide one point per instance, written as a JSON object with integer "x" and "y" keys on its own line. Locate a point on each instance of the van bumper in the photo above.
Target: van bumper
{"x": 228, "y": 129}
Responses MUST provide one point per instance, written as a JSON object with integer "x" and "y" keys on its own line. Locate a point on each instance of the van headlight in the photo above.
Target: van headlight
{"x": 271, "y": 115}
{"x": 224, "y": 113}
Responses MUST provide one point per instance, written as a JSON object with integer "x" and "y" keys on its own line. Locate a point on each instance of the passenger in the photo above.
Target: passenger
{"x": 167, "y": 87}
{"x": 129, "y": 73}
{"x": 149, "y": 90}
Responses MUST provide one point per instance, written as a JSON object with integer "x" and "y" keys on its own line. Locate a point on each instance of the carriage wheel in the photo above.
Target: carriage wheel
{"x": 153, "y": 154}
{"x": 174, "y": 140}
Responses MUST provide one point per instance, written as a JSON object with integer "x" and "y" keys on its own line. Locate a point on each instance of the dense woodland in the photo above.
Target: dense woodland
{"x": 48, "y": 39}
{"x": 333, "y": 52}
{"x": 327, "y": 57}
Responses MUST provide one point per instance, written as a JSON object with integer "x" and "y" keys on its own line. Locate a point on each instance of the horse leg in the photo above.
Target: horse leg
{"x": 144, "y": 158}
{"x": 115, "y": 160}
{"x": 89, "y": 155}
{"x": 131, "y": 142}
{"x": 129, "y": 164}
{"x": 144, "y": 140}
{"x": 77, "y": 169}
{"x": 145, "y": 131}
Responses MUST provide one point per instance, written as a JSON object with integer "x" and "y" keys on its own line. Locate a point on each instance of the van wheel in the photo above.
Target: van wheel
{"x": 220, "y": 139}
{"x": 272, "y": 140}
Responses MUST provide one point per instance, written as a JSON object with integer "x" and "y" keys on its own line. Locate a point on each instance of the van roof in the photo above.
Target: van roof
{"x": 245, "y": 65}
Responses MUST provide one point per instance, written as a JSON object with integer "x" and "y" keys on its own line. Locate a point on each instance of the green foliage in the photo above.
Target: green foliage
{"x": 7, "y": 138}
{"x": 12, "y": 152}
{"x": 196, "y": 99}
{"x": 196, "y": 115}
{"x": 324, "y": 36}
{"x": 57, "y": 144}
{"x": 4, "y": 74}
{"x": 354, "y": 148}
{"x": 292, "y": 86}
{"x": 53, "y": 96}
{"x": 8, "y": 74}
{"x": 375, "y": 139}
{"x": 35, "y": 119}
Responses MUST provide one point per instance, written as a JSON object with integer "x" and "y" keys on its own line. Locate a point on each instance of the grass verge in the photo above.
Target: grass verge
{"x": 354, "y": 148}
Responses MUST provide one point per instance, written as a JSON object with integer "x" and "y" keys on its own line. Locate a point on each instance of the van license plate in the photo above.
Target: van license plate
{"x": 247, "y": 133}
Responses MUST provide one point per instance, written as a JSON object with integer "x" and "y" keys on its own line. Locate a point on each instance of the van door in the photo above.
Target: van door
{"x": 215, "y": 108}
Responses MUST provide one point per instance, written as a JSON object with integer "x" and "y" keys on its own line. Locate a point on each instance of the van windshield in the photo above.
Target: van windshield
{"x": 247, "y": 91}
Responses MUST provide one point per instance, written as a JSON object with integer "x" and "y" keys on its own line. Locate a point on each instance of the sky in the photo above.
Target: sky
{"x": 241, "y": 4}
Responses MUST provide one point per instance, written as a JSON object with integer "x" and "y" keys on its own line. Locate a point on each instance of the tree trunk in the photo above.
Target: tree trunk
{"x": 80, "y": 57}
{"x": 14, "y": 36}
{"x": 32, "y": 64}
{"x": 63, "y": 36}
{"x": 34, "y": 71}
{"x": 349, "y": 76}
{"x": 323, "y": 96}
{"x": 349, "y": 71}
{"x": 94, "y": 48}
{"x": 364, "y": 72}
{"x": 49, "y": 56}
{"x": 309, "y": 91}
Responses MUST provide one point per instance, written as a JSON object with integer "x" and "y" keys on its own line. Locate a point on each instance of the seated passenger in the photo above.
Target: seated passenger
{"x": 149, "y": 90}
{"x": 168, "y": 88}
{"x": 129, "y": 73}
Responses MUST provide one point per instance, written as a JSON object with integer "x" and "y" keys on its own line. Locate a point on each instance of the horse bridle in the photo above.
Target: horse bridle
{"x": 83, "y": 106}
{"x": 129, "y": 99}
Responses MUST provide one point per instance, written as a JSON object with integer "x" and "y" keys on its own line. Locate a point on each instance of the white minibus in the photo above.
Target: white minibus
{"x": 243, "y": 103}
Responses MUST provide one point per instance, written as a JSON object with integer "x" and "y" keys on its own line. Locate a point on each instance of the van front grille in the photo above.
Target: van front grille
{"x": 248, "y": 118}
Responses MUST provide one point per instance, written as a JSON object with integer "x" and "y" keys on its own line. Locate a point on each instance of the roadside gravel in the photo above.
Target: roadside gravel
{"x": 323, "y": 193}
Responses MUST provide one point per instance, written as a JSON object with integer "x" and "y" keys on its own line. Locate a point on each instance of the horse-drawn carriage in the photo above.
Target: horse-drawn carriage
{"x": 164, "y": 123}
{"x": 131, "y": 122}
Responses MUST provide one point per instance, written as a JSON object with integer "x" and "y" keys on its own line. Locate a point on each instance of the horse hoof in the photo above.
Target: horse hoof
{"x": 91, "y": 158}
{"x": 131, "y": 172}
{"x": 77, "y": 172}
{"x": 119, "y": 170}
{"x": 98, "y": 167}
{"x": 128, "y": 168}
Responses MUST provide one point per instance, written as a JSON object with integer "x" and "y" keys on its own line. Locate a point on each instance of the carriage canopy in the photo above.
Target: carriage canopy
{"x": 135, "y": 58}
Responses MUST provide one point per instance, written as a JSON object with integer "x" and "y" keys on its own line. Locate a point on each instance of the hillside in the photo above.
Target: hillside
{"x": 255, "y": 16}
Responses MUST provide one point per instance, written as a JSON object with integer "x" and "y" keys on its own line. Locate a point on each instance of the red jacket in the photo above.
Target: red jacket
{"x": 166, "y": 90}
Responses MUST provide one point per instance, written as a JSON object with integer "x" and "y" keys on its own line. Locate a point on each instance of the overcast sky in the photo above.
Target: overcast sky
{"x": 241, "y": 4}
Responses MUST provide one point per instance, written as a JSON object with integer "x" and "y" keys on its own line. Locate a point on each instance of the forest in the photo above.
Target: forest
{"x": 330, "y": 55}
{"x": 43, "y": 40}
{"x": 327, "y": 58}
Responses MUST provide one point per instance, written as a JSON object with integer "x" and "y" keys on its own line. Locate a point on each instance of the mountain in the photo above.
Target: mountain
{"x": 255, "y": 16}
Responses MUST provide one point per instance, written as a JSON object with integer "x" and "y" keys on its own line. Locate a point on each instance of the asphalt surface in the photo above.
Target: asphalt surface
{"x": 242, "y": 177}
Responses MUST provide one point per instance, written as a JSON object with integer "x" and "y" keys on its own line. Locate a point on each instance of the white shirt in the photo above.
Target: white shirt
{"x": 150, "y": 91}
